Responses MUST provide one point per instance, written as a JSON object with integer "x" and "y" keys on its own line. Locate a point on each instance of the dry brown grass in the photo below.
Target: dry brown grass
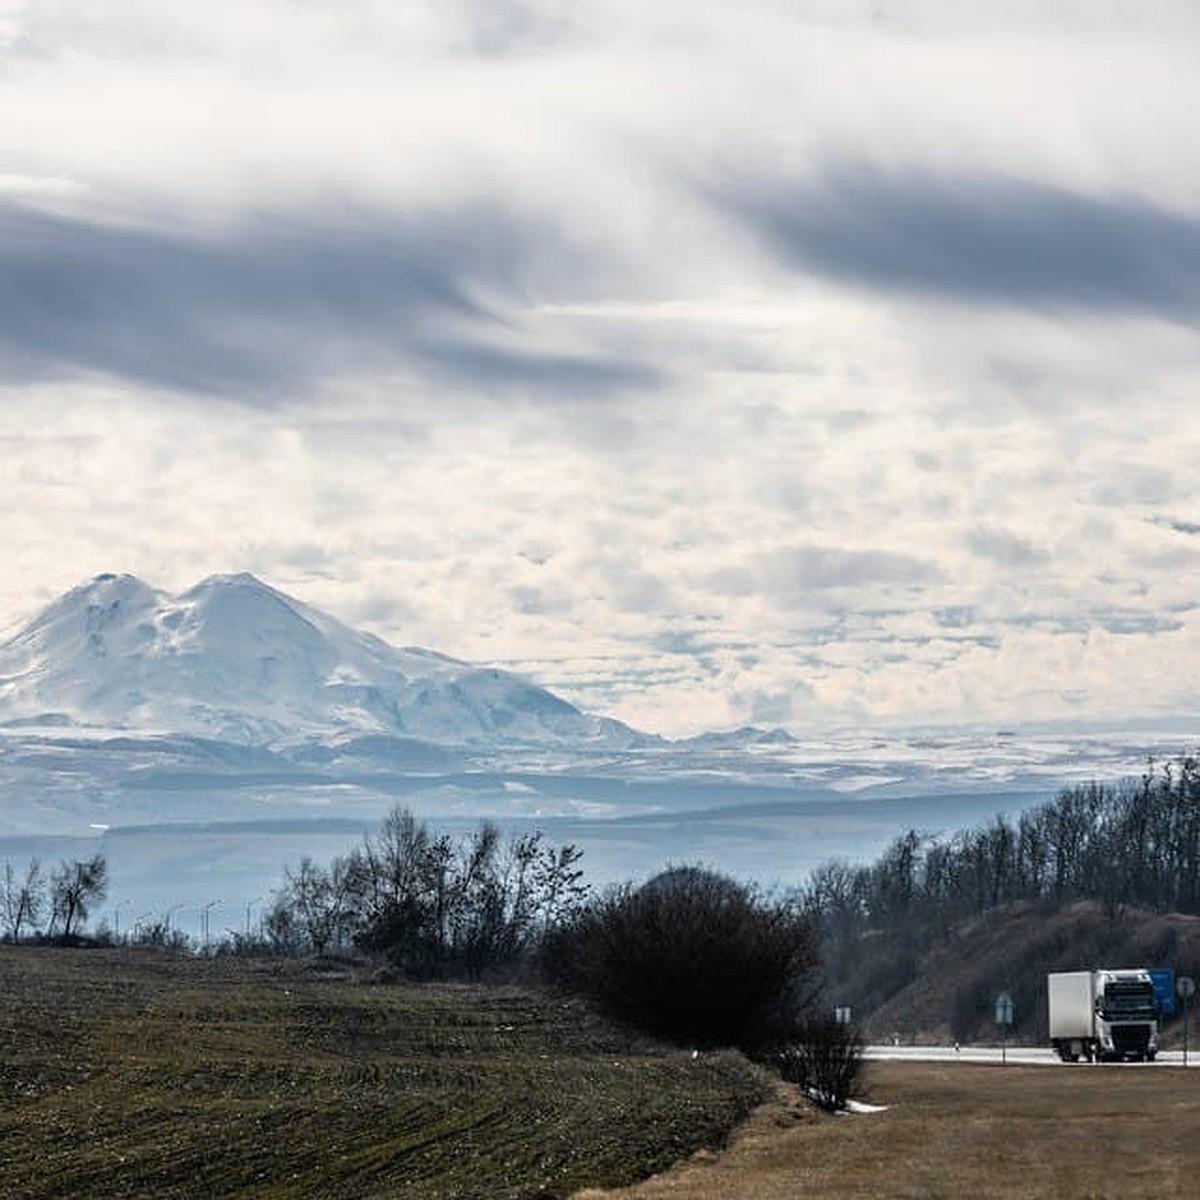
{"x": 964, "y": 1131}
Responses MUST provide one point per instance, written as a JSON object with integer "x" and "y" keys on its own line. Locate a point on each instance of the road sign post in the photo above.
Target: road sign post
{"x": 1185, "y": 988}
{"x": 1004, "y": 1018}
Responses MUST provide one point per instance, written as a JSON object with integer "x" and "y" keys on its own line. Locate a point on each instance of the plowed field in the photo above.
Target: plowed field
{"x": 131, "y": 1073}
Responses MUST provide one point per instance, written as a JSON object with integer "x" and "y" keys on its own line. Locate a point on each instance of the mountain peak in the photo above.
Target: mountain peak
{"x": 87, "y": 610}
{"x": 111, "y": 586}
{"x": 219, "y": 591}
{"x": 242, "y": 579}
{"x": 234, "y": 658}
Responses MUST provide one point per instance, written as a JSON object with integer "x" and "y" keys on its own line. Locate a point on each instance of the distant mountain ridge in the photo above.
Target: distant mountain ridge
{"x": 235, "y": 659}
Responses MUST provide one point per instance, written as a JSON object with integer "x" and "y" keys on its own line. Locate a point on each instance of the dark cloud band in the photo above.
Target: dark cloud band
{"x": 259, "y": 310}
{"x": 979, "y": 239}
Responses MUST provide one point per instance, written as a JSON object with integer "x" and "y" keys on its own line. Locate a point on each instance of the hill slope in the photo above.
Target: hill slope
{"x": 946, "y": 991}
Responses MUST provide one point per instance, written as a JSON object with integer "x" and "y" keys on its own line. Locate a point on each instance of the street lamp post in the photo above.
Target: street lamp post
{"x": 166, "y": 922}
{"x": 117, "y": 919}
{"x": 205, "y": 911}
{"x": 249, "y": 905}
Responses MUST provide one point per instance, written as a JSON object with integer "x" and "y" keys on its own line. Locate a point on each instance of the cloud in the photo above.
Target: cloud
{"x": 273, "y": 304}
{"x": 1134, "y": 623}
{"x": 1177, "y": 525}
{"x": 978, "y": 238}
{"x": 790, "y": 575}
{"x": 1002, "y": 546}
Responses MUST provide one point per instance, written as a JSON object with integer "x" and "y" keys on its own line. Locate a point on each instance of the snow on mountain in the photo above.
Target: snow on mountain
{"x": 235, "y": 659}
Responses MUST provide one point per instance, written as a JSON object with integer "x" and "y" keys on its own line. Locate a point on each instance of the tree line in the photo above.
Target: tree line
{"x": 1135, "y": 842}
{"x": 431, "y": 904}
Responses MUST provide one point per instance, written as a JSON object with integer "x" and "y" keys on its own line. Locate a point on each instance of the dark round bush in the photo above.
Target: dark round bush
{"x": 692, "y": 956}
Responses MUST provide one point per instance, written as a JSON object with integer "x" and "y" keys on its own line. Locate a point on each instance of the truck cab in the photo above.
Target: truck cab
{"x": 1126, "y": 1016}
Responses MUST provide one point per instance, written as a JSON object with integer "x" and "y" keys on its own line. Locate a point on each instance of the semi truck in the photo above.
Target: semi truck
{"x": 1103, "y": 1015}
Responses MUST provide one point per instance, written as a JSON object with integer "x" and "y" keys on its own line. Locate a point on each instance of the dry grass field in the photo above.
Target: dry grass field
{"x": 958, "y": 1131}
{"x": 130, "y": 1073}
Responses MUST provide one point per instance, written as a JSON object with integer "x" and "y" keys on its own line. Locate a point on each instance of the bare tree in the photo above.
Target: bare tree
{"x": 22, "y": 899}
{"x": 74, "y": 888}
{"x": 313, "y": 906}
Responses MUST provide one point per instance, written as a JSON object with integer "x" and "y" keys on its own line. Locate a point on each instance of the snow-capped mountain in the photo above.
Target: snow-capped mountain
{"x": 236, "y": 660}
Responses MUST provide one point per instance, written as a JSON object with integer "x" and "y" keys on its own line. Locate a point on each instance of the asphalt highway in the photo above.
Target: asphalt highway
{"x": 1017, "y": 1055}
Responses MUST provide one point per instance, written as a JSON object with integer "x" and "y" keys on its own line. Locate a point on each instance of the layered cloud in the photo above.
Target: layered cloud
{"x": 790, "y": 363}
{"x": 266, "y": 308}
{"x": 981, "y": 239}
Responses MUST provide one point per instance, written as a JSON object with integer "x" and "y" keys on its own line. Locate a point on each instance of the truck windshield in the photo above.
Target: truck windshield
{"x": 1125, "y": 1000}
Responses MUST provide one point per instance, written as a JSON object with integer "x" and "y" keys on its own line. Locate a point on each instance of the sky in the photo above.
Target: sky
{"x": 787, "y": 362}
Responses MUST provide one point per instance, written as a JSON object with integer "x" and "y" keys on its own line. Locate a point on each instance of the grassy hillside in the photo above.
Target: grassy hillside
{"x": 946, "y": 989}
{"x": 133, "y": 1073}
{"x": 953, "y": 1130}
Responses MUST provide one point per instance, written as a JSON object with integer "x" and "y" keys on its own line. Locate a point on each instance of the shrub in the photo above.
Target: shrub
{"x": 825, "y": 1061}
{"x": 692, "y": 956}
{"x": 161, "y": 934}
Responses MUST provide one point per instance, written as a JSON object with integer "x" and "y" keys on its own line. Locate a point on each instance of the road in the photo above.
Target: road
{"x": 1018, "y": 1055}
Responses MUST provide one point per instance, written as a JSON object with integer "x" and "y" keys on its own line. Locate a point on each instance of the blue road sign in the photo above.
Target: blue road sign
{"x": 1163, "y": 979}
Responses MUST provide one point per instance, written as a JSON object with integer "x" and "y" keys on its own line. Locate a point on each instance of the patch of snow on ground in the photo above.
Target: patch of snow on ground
{"x": 852, "y": 1106}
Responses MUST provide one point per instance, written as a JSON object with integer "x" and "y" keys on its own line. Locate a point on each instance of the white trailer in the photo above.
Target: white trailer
{"x": 1103, "y": 1015}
